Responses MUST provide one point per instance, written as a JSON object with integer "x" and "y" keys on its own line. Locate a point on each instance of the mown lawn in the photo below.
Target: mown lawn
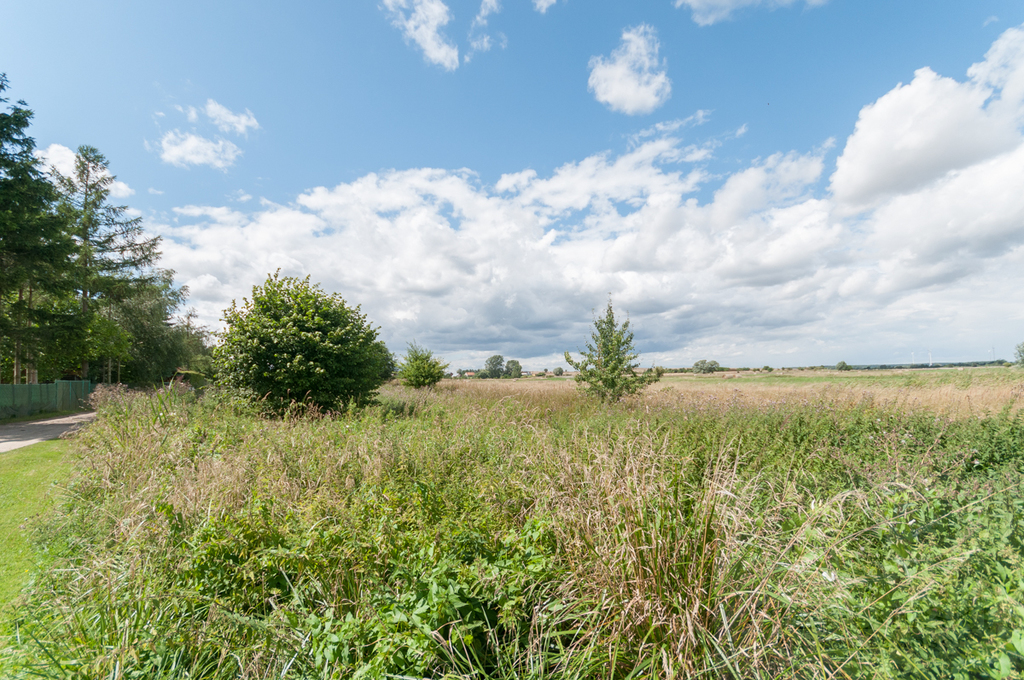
{"x": 27, "y": 476}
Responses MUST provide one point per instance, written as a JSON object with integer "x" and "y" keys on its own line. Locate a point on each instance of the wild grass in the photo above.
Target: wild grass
{"x": 491, "y": 529}
{"x": 967, "y": 391}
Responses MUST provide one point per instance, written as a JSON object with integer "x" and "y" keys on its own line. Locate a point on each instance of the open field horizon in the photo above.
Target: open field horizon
{"x": 951, "y": 391}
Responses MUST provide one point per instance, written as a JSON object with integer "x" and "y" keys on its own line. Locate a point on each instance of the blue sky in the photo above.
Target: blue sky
{"x": 758, "y": 182}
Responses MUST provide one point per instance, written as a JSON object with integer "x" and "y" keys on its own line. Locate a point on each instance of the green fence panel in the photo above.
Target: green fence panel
{"x": 26, "y": 400}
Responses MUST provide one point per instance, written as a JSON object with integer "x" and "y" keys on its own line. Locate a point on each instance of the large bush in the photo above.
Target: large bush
{"x": 294, "y": 342}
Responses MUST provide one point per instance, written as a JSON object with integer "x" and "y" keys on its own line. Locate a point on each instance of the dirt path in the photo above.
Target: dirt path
{"x": 16, "y": 435}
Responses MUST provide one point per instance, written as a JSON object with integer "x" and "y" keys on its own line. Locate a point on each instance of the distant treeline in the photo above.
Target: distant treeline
{"x": 81, "y": 293}
{"x": 860, "y": 367}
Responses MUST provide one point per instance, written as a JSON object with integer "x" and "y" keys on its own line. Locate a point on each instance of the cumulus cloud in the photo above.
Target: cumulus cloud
{"x": 542, "y": 6}
{"x": 632, "y": 80}
{"x": 707, "y": 12}
{"x": 62, "y": 159}
{"x": 917, "y": 133}
{"x": 770, "y": 269}
{"x": 183, "y": 149}
{"x": 421, "y": 22}
{"x": 433, "y": 254}
{"x": 228, "y": 121}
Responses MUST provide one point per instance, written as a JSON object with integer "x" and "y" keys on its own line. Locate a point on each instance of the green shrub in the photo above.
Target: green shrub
{"x": 295, "y": 343}
{"x": 420, "y": 368}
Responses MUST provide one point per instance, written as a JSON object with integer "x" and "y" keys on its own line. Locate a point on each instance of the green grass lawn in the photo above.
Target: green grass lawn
{"x": 26, "y": 482}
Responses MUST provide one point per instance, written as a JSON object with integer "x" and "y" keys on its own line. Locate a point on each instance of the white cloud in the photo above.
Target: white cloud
{"x": 771, "y": 269}
{"x": 183, "y": 149}
{"x": 58, "y": 157}
{"x": 542, "y": 6}
{"x": 421, "y": 21}
{"x": 191, "y": 112}
{"x": 632, "y": 81}
{"x": 917, "y": 133}
{"x": 155, "y": 192}
{"x": 487, "y": 8}
{"x": 120, "y": 190}
{"x": 228, "y": 121}
{"x": 707, "y": 12}
{"x": 665, "y": 127}
{"x": 479, "y": 41}
{"x": 62, "y": 159}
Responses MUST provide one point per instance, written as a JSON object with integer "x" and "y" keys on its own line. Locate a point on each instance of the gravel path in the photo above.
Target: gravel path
{"x": 16, "y": 435}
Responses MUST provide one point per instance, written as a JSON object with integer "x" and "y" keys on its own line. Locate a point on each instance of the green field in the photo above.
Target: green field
{"x": 27, "y": 476}
{"x": 501, "y": 529}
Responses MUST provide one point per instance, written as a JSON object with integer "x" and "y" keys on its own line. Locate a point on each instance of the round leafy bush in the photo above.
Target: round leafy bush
{"x": 292, "y": 342}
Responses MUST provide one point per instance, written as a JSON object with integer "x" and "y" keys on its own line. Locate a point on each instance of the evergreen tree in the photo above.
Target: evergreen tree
{"x": 34, "y": 247}
{"x": 112, "y": 251}
{"x": 606, "y": 368}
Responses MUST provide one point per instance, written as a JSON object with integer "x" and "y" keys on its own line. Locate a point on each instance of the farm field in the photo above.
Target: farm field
{"x": 802, "y": 525}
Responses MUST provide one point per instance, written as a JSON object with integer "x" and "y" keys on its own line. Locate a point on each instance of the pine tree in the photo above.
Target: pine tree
{"x": 112, "y": 250}
{"x": 34, "y": 246}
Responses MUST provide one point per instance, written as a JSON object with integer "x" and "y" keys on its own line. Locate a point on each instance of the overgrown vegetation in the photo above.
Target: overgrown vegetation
{"x": 490, "y": 529}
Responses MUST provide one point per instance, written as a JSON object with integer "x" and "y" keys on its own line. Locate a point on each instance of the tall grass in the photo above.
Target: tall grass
{"x": 495, "y": 531}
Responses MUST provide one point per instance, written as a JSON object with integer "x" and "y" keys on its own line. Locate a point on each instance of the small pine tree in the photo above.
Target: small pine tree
{"x": 606, "y": 369}
{"x": 421, "y": 368}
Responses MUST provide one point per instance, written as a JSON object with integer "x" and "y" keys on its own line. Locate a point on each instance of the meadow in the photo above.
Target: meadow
{"x": 793, "y": 524}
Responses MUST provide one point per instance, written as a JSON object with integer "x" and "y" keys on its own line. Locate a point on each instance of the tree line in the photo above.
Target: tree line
{"x": 495, "y": 367}
{"x": 81, "y": 292}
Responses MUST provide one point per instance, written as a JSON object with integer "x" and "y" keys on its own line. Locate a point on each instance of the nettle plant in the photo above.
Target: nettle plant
{"x": 293, "y": 342}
